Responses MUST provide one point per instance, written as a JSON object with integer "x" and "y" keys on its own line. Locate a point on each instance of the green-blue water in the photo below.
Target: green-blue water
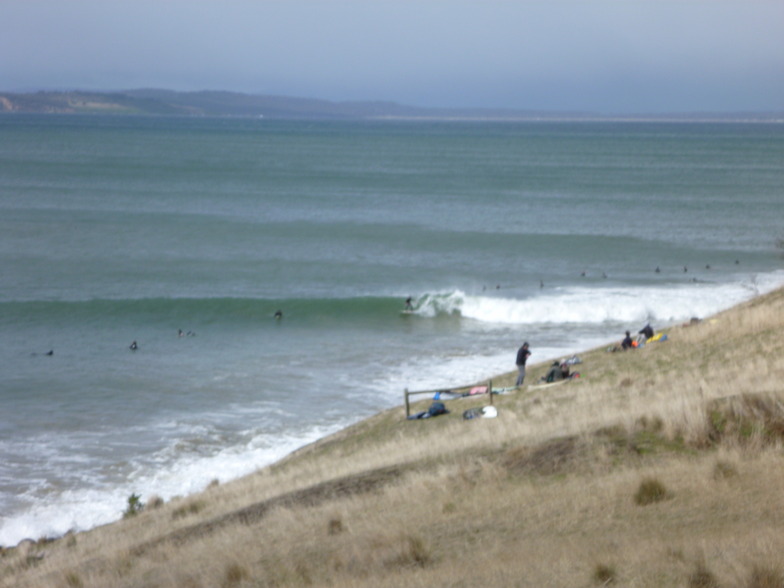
{"x": 121, "y": 229}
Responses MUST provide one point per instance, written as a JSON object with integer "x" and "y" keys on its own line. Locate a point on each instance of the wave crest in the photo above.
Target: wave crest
{"x": 598, "y": 305}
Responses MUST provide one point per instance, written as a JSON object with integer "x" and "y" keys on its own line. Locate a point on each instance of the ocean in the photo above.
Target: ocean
{"x": 187, "y": 235}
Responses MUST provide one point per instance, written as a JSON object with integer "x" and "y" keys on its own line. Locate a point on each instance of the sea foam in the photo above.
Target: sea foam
{"x": 583, "y": 305}
{"x": 102, "y": 503}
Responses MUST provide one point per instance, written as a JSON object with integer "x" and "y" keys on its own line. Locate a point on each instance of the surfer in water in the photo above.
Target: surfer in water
{"x": 133, "y": 346}
{"x": 278, "y": 315}
{"x": 409, "y": 306}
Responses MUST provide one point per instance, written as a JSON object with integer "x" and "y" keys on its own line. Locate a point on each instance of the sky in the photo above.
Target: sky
{"x": 602, "y": 56}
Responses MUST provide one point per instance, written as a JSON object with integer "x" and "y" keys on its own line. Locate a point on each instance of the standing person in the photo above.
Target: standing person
{"x": 522, "y": 356}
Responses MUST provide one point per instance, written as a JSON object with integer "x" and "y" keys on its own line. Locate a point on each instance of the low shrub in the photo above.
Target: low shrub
{"x": 701, "y": 577}
{"x": 135, "y": 506}
{"x": 233, "y": 575}
{"x": 604, "y": 575}
{"x": 192, "y": 508}
{"x": 650, "y": 491}
{"x": 724, "y": 470}
{"x": 335, "y": 527}
{"x": 72, "y": 580}
{"x": 154, "y": 502}
{"x": 765, "y": 578}
{"x": 410, "y": 551}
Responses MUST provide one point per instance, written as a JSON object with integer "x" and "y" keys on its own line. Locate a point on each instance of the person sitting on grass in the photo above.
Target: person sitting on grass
{"x": 557, "y": 372}
{"x": 627, "y": 343}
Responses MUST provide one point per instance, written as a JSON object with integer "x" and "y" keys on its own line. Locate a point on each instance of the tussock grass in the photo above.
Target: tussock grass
{"x": 541, "y": 496}
{"x": 192, "y": 507}
{"x": 766, "y": 577}
{"x": 724, "y": 470}
{"x": 72, "y": 580}
{"x": 650, "y": 491}
{"x": 234, "y": 575}
{"x": 604, "y": 575}
{"x": 702, "y": 577}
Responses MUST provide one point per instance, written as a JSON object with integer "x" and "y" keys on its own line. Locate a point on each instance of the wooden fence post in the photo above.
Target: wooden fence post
{"x": 408, "y": 409}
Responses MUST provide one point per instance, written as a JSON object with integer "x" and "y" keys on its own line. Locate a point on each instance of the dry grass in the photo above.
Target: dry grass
{"x": 660, "y": 467}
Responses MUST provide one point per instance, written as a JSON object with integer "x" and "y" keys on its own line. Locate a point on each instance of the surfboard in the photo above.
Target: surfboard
{"x": 508, "y": 390}
{"x": 550, "y": 384}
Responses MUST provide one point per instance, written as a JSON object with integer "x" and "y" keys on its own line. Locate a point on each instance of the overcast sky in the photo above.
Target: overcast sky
{"x": 607, "y": 56}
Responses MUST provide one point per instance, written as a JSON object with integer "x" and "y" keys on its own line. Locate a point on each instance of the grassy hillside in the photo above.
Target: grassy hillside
{"x": 660, "y": 466}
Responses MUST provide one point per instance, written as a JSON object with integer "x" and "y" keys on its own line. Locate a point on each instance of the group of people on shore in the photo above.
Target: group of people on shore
{"x": 560, "y": 370}
{"x": 643, "y": 335}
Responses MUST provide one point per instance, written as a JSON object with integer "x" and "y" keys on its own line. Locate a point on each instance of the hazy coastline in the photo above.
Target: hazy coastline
{"x": 159, "y": 102}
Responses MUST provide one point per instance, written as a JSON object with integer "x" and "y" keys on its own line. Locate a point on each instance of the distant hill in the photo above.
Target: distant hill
{"x": 234, "y": 104}
{"x": 217, "y": 103}
{"x": 83, "y": 102}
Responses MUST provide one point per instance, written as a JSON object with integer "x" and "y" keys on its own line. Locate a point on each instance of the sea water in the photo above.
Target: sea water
{"x": 188, "y": 235}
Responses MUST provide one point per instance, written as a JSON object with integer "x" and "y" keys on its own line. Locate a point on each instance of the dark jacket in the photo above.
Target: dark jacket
{"x": 557, "y": 372}
{"x": 522, "y": 355}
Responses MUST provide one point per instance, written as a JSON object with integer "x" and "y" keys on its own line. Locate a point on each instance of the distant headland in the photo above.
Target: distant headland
{"x": 233, "y": 104}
